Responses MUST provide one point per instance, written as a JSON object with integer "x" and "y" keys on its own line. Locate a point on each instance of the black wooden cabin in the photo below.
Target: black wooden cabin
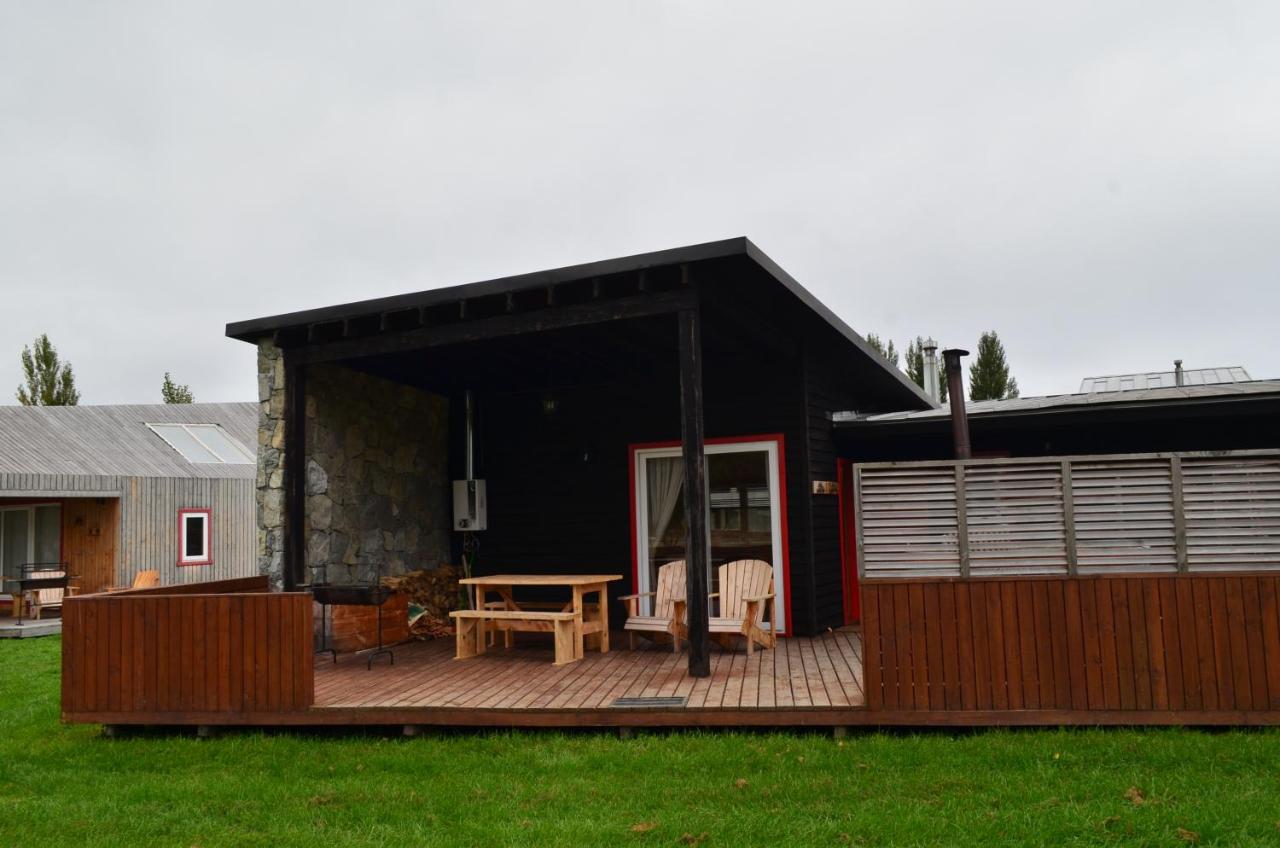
{"x": 578, "y": 374}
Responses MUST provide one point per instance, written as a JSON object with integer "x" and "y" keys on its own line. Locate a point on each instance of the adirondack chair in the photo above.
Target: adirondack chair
{"x": 145, "y": 579}
{"x": 745, "y": 601}
{"x": 669, "y": 594}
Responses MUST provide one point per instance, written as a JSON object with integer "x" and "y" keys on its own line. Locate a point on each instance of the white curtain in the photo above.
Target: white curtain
{"x": 665, "y": 479}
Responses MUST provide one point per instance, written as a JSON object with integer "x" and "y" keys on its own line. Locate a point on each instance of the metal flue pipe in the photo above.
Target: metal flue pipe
{"x": 955, "y": 392}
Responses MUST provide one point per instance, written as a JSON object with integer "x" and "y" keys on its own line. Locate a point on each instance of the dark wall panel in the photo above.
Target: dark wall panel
{"x": 558, "y": 478}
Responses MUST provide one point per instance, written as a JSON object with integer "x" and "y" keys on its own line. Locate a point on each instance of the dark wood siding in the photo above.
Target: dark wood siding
{"x": 829, "y": 386}
{"x": 559, "y": 483}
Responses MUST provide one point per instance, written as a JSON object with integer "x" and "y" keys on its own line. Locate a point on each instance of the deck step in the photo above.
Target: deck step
{"x": 649, "y": 703}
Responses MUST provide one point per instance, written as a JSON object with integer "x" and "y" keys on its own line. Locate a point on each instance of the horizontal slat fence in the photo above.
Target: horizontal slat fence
{"x": 1205, "y": 643}
{"x": 1153, "y": 513}
{"x": 156, "y": 656}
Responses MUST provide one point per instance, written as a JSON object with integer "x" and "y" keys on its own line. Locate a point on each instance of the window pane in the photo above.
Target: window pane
{"x": 742, "y": 526}
{"x": 182, "y": 441}
{"x": 216, "y": 439}
{"x": 194, "y": 546}
{"x": 48, "y": 533}
{"x": 13, "y": 552}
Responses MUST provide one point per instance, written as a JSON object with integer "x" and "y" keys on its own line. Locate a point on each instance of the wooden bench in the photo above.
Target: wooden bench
{"x": 588, "y": 611}
{"x": 471, "y": 626}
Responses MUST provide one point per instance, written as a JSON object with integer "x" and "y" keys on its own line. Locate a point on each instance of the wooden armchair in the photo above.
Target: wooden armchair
{"x": 746, "y": 600}
{"x": 147, "y": 579}
{"x": 668, "y": 597}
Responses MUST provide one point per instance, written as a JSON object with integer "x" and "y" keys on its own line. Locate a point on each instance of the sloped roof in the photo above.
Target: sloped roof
{"x": 1054, "y": 403}
{"x": 1164, "y": 379}
{"x": 254, "y": 329}
{"x": 115, "y": 440}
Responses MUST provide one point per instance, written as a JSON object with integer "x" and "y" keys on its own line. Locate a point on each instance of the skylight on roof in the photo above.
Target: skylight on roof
{"x": 204, "y": 443}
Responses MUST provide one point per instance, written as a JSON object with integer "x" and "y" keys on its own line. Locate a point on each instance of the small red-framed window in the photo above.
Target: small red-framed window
{"x": 195, "y": 537}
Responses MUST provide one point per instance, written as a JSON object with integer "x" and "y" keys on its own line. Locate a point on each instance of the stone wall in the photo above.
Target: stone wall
{"x": 270, "y": 486}
{"x": 376, "y": 473}
{"x": 376, "y": 476}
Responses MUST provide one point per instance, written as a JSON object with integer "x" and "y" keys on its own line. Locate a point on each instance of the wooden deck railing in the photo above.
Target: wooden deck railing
{"x": 1207, "y": 643}
{"x": 176, "y": 652}
{"x": 1139, "y": 584}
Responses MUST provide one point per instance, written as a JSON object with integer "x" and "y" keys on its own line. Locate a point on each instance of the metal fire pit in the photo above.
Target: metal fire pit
{"x": 329, "y": 595}
{"x": 332, "y": 594}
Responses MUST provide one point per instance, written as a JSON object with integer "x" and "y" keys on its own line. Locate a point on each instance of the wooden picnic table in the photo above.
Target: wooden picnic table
{"x": 587, "y": 621}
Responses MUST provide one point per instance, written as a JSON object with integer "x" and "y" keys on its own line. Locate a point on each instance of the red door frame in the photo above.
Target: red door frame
{"x": 848, "y": 545}
{"x": 776, "y": 438}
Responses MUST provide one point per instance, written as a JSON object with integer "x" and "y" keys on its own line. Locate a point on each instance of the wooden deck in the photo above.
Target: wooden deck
{"x": 803, "y": 678}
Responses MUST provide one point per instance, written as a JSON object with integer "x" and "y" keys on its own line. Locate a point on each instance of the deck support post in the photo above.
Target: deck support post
{"x": 295, "y": 475}
{"x": 697, "y": 543}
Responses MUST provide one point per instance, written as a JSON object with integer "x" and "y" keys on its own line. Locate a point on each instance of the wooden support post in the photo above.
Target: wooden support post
{"x": 1179, "y": 513}
{"x": 697, "y": 545}
{"x": 1069, "y": 518}
{"x": 839, "y": 731}
{"x": 962, "y": 521}
{"x": 295, "y": 472}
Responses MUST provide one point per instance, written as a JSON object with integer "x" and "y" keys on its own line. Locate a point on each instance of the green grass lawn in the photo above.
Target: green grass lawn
{"x": 71, "y": 786}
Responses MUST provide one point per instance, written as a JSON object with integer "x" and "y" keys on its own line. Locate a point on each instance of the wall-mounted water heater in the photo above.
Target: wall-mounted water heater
{"x": 469, "y": 510}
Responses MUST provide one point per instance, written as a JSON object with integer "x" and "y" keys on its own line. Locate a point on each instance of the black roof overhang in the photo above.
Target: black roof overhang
{"x": 379, "y": 312}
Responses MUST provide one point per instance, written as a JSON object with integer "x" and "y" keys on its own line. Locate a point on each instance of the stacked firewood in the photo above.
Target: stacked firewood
{"x": 432, "y": 594}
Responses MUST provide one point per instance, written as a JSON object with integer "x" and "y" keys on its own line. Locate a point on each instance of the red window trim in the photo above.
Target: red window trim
{"x": 208, "y": 532}
{"x": 779, "y": 440}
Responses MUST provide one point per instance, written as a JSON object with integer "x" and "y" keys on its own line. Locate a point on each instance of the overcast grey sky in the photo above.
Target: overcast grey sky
{"x": 1098, "y": 181}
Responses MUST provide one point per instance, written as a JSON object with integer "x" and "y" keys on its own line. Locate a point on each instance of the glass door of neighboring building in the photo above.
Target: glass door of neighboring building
{"x": 744, "y": 504}
{"x": 28, "y": 534}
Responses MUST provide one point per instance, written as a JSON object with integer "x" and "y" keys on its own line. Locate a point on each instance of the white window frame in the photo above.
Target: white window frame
{"x": 641, "y": 516}
{"x": 206, "y": 557}
{"x": 192, "y": 430}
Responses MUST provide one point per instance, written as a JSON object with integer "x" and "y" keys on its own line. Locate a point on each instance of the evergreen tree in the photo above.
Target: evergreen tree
{"x": 915, "y": 367}
{"x": 49, "y": 381}
{"x": 989, "y": 377}
{"x": 174, "y": 393}
{"x": 885, "y": 350}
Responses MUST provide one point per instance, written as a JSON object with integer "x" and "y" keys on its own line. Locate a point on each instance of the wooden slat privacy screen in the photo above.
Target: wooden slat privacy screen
{"x": 1080, "y": 515}
{"x": 159, "y": 656}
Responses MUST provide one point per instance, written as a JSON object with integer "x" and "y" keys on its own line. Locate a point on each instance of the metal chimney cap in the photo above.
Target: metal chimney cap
{"x": 955, "y": 351}
{"x": 929, "y": 345}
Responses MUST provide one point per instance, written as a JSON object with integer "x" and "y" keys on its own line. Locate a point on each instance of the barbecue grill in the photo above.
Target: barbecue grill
{"x": 34, "y": 576}
{"x": 329, "y": 595}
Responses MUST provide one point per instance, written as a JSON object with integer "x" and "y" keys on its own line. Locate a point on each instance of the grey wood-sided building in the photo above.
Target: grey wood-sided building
{"x": 113, "y": 490}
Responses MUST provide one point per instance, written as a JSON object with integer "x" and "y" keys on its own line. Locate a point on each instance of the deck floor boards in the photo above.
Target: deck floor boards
{"x": 819, "y": 671}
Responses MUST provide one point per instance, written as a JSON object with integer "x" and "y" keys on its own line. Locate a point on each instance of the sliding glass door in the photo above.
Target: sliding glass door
{"x": 29, "y": 534}
{"x": 744, "y": 501}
